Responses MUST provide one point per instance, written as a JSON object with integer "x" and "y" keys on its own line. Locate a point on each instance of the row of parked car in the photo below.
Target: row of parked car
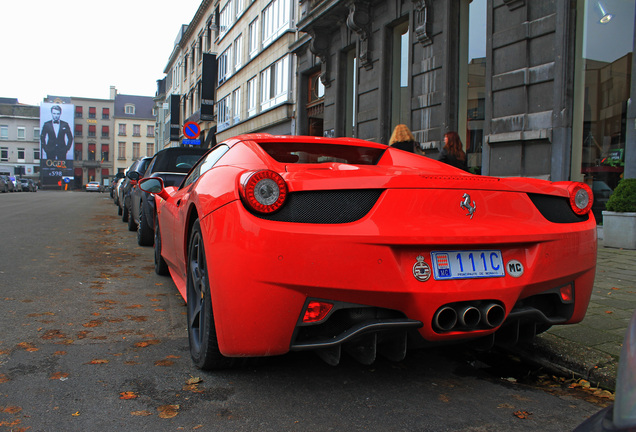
{"x": 15, "y": 184}
{"x": 136, "y": 207}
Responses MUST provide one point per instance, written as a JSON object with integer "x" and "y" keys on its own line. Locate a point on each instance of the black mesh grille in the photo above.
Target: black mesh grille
{"x": 556, "y": 209}
{"x": 325, "y": 207}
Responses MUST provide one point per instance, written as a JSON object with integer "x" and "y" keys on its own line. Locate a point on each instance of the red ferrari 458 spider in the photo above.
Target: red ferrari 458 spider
{"x": 282, "y": 243}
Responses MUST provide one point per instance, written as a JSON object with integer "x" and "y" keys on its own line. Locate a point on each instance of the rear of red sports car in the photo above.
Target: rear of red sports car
{"x": 343, "y": 244}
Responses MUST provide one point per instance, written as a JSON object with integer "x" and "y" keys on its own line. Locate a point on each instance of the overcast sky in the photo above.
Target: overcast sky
{"x": 81, "y": 48}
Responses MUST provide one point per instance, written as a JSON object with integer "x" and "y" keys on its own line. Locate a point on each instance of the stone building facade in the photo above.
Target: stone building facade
{"x": 535, "y": 88}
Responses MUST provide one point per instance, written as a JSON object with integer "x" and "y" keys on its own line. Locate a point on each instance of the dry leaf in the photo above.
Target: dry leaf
{"x": 141, "y": 413}
{"x": 144, "y": 344}
{"x": 58, "y": 376}
{"x": 522, "y": 414}
{"x": 164, "y": 362}
{"x": 128, "y": 395}
{"x": 97, "y": 361}
{"x": 194, "y": 380}
{"x": 168, "y": 411}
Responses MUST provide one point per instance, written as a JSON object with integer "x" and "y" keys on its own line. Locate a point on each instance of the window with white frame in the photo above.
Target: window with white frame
{"x": 238, "y": 52}
{"x": 236, "y": 106}
{"x": 4, "y": 132}
{"x": 225, "y": 18}
{"x": 21, "y": 155}
{"x": 253, "y": 38}
{"x": 251, "y": 97}
{"x": 239, "y": 7}
{"x": 36, "y": 154}
{"x": 224, "y": 63}
{"x": 223, "y": 114}
{"x": 275, "y": 20}
{"x": 129, "y": 109}
{"x": 4, "y": 154}
{"x": 36, "y": 134}
{"x": 275, "y": 83}
{"x": 21, "y": 133}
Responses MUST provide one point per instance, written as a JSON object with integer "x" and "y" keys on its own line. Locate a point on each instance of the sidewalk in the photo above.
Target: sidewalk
{"x": 591, "y": 349}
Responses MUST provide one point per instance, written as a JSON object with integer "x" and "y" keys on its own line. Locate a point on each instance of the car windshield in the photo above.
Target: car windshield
{"x": 315, "y": 153}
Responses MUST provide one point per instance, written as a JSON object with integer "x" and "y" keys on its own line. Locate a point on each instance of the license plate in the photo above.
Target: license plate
{"x": 467, "y": 264}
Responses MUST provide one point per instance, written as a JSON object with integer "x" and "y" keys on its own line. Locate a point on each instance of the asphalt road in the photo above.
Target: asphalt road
{"x": 92, "y": 340}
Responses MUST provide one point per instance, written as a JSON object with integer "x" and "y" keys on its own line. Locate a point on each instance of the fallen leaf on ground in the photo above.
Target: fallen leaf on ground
{"x": 164, "y": 362}
{"x": 97, "y": 361}
{"x": 58, "y": 375}
{"x": 12, "y": 409}
{"x": 168, "y": 411}
{"x": 128, "y": 395}
{"x": 147, "y": 343}
{"x": 194, "y": 380}
{"x": 141, "y": 413}
{"x": 522, "y": 414}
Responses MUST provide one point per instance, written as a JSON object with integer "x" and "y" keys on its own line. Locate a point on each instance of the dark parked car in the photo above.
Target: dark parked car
{"x": 4, "y": 187}
{"x": 138, "y": 166}
{"x": 10, "y": 187}
{"x": 28, "y": 185}
{"x": 171, "y": 165}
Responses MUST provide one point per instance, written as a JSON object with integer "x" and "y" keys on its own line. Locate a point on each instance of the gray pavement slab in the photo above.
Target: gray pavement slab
{"x": 591, "y": 348}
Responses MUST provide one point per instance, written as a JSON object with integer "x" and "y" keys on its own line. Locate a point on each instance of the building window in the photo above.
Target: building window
{"x": 400, "y": 97}
{"x": 136, "y": 130}
{"x": 105, "y": 152}
{"x": 21, "y": 154}
{"x": 251, "y": 97}
{"x": 150, "y": 131}
{"x": 121, "y": 151}
{"x": 239, "y": 6}
{"x": 21, "y": 133}
{"x": 36, "y": 154}
{"x": 275, "y": 84}
{"x": 122, "y": 129}
{"x": 136, "y": 150}
{"x": 351, "y": 90}
{"x": 225, "y": 18}
{"x": 150, "y": 149}
{"x": 78, "y": 151}
{"x": 602, "y": 82}
{"x": 91, "y": 151}
{"x": 129, "y": 109}
{"x": 275, "y": 20}
{"x": 105, "y": 113}
{"x": 253, "y": 38}
{"x": 92, "y": 112}
{"x": 223, "y": 114}
{"x": 36, "y": 134}
{"x": 238, "y": 52}
{"x": 79, "y": 112}
{"x": 4, "y": 132}
{"x": 4, "y": 154}
{"x": 224, "y": 61}
{"x": 78, "y": 130}
{"x": 472, "y": 80}
{"x": 236, "y": 106}
{"x": 105, "y": 131}
{"x": 92, "y": 131}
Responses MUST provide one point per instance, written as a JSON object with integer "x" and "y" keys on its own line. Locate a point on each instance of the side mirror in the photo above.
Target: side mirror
{"x": 153, "y": 185}
{"x": 133, "y": 175}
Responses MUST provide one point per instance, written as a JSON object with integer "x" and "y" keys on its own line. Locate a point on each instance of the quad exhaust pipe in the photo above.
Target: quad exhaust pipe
{"x": 470, "y": 316}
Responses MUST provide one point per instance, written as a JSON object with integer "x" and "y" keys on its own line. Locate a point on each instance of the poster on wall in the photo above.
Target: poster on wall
{"x": 57, "y": 123}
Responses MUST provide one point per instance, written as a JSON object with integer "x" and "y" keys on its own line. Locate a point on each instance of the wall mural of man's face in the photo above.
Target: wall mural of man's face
{"x": 56, "y": 113}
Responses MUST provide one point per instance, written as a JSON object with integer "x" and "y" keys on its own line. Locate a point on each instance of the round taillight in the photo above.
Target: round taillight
{"x": 265, "y": 191}
{"x": 581, "y": 198}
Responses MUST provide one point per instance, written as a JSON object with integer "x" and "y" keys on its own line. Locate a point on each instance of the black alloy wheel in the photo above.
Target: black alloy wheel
{"x": 161, "y": 267}
{"x": 204, "y": 347}
{"x": 124, "y": 212}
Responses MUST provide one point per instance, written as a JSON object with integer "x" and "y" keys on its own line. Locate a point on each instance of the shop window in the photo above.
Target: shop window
{"x": 605, "y": 47}
{"x": 400, "y": 94}
{"x": 472, "y": 78}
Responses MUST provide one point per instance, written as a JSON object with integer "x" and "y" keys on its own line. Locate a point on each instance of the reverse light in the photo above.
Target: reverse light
{"x": 581, "y": 198}
{"x": 316, "y": 311}
{"x": 264, "y": 191}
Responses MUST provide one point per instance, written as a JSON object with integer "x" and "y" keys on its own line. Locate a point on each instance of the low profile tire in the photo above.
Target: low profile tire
{"x": 144, "y": 232}
{"x": 204, "y": 347}
{"x": 161, "y": 267}
{"x": 132, "y": 226}
{"x": 124, "y": 213}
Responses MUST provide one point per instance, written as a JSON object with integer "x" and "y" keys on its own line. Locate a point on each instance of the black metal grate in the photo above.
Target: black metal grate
{"x": 325, "y": 207}
{"x": 556, "y": 209}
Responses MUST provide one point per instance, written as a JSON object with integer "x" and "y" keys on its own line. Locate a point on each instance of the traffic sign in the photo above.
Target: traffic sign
{"x": 191, "y": 130}
{"x": 191, "y": 142}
